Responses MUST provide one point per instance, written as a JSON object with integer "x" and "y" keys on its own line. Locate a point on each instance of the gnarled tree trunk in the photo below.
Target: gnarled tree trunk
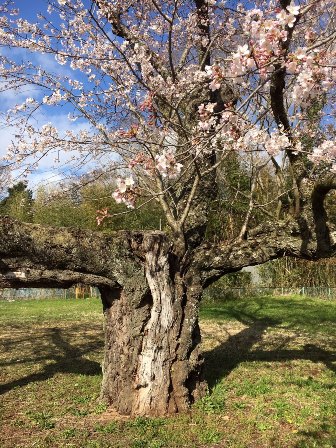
{"x": 152, "y": 364}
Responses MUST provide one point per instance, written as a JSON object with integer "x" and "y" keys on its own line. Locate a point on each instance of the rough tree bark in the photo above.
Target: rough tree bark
{"x": 152, "y": 363}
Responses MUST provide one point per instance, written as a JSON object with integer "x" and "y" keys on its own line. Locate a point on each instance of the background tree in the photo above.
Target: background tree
{"x": 18, "y": 203}
{"x": 169, "y": 95}
{"x": 76, "y": 202}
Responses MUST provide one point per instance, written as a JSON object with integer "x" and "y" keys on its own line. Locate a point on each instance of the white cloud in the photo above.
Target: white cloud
{"x": 55, "y": 164}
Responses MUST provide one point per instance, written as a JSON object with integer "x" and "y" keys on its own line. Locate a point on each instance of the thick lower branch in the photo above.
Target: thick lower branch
{"x": 38, "y": 278}
{"x": 322, "y": 226}
{"x": 37, "y": 256}
{"x": 267, "y": 242}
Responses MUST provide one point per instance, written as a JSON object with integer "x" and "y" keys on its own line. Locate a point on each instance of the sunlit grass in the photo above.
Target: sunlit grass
{"x": 270, "y": 365}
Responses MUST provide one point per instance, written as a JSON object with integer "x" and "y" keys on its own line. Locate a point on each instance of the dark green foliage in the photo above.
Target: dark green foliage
{"x": 67, "y": 209}
{"x": 228, "y": 211}
{"x": 18, "y": 203}
{"x": 74, "y": 207}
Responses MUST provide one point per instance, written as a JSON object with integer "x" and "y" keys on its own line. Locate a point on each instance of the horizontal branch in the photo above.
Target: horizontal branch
{"x": 266, "y": 242}
{"x": 38, "y": 256}
{"x": 44, "y": 278}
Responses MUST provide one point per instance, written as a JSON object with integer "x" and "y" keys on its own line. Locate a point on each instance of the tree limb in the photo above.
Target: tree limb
{"x": 34, "y": 255}
{"x": 268, "y": 241}
{"x": 114, "y": 18}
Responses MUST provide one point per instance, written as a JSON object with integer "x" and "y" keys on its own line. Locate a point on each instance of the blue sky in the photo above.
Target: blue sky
{"x": 45, "y": 174}
{"x": 29, "y": 8}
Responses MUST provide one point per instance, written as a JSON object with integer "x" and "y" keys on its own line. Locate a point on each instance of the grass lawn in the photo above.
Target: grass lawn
{"x": 270, "y": 366}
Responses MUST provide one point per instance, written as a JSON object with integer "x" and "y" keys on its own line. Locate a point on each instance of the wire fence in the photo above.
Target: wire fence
{"x": 37, "y": 293}
{"x": 321, "y": 291}
{"x": 217, "y": 294}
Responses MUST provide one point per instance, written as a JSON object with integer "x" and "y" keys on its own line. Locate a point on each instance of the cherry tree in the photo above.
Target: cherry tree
{"x": 166, "y": 94}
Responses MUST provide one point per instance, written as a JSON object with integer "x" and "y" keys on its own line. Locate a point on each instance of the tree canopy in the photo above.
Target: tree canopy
{"x": 167, "y": 93}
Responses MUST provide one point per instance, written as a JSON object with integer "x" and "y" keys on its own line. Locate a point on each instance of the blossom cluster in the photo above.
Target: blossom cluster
{"x": 266, "y": 37}
{"x": 325, "y": 153}
{"x": 216, "y": 75}
{"x": 207, "y": 117}
{"x": 314, "y": 79}
{"x": 243, "y": 136}
{"x": 143, "y": 161}
{"x": 125, "y": 192}
{"x": 25, "y": 106}
{"x": 167, "y": 165}
{"x": 137, "y": 88}
{"x": 55, "y": 98}
{"x": 259, "y": 139}
{"x": 277, "y": 141}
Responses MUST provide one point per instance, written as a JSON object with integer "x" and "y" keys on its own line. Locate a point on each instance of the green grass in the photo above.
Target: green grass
{"x": 50, "y": 310}
{"x": 309, "y": 314}
{"x": 270, "y": 366}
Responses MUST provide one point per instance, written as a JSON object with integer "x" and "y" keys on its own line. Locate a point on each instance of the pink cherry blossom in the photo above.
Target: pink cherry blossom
{"x": 292, "y": 9}
{"x": 167, "y": 165}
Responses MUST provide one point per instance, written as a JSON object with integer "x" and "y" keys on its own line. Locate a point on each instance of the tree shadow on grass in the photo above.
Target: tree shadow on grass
{"x": 299, "y": 312}
{"x": 317, "y": 436}
{"x": 60, "y": 356}
{"x": 238, "y": 348}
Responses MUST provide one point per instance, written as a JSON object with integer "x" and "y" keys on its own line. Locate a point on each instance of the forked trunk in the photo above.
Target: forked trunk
{"x": 152, "y": 364}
